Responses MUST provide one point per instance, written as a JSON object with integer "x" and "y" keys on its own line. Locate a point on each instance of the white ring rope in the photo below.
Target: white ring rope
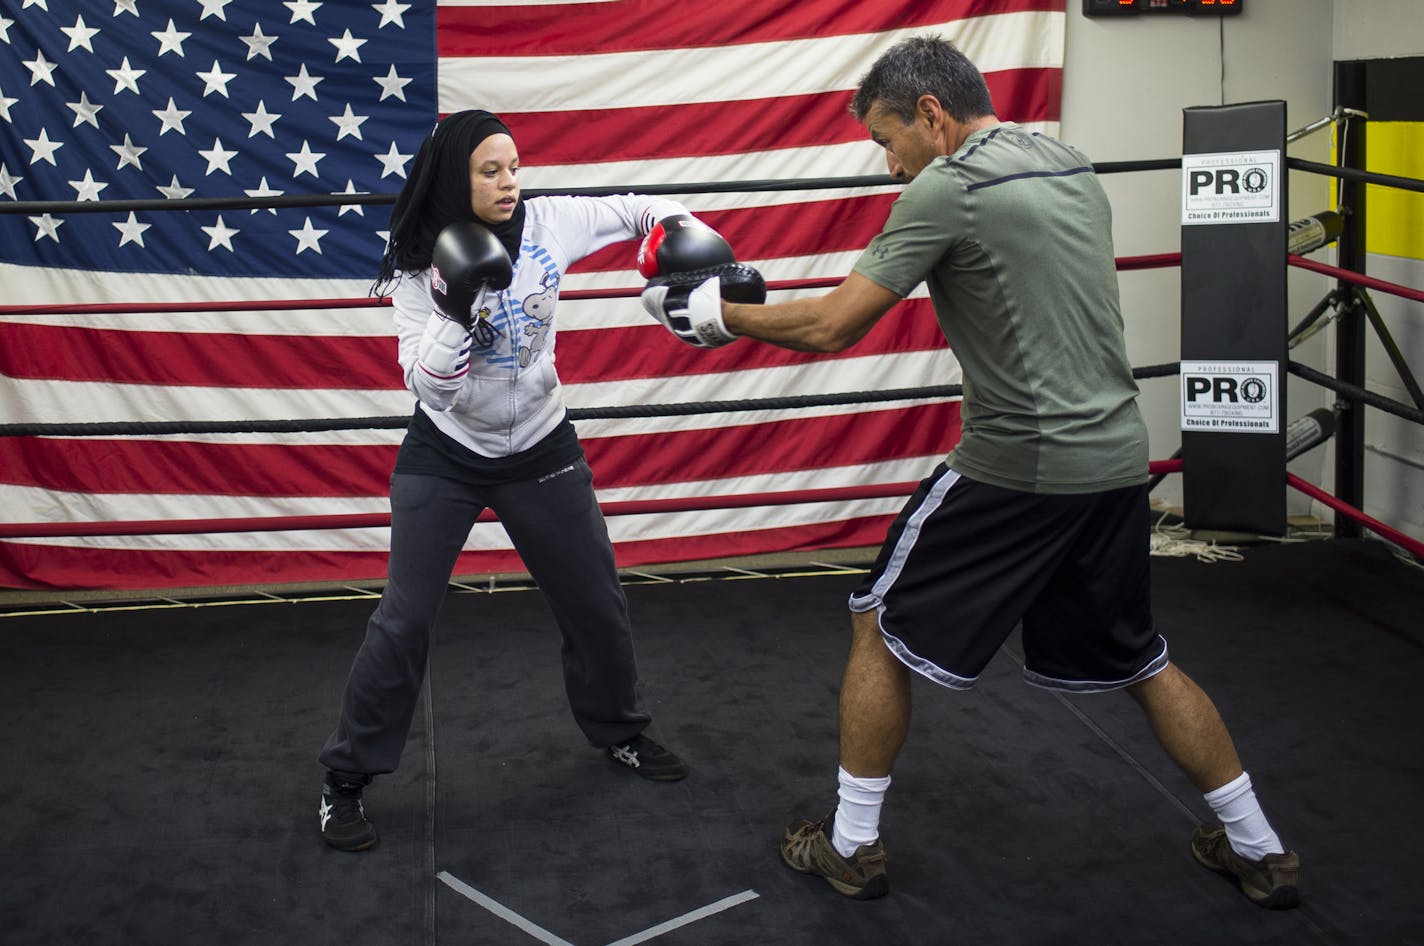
{"x": 1175, "y": 541}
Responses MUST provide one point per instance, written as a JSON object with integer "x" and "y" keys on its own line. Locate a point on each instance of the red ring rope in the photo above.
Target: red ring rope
{"x": 376, "y": 519}
{"x": 1374, "y": 525}
{"x": 625, "y": 508}
{"x": 1359, "y": 279}
{"x": 630, "y": 507}
{"x": 126, "y": 308}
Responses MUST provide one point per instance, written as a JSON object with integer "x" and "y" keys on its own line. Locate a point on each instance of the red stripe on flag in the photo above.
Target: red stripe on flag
{"x": 177, "y": 467}
{"x": 137, "y": 467}
{"x": 571, "y": 29}
{"x": 35, "y": 566}
{"x": 696, "y": 129}
{"x": 210, "y": 359}
{"x": 197, "y": 359}
{"x": 812, "y": 443}
{"x": 204, "y": 359}
{"x": 866, "y": 531}
{"x": 719, "y": 128}
{"x": 1026, "y": 95}
{"x": 775, "y": 231}
{"x": 649, "y": 351}
{"x": 24, "y": 565}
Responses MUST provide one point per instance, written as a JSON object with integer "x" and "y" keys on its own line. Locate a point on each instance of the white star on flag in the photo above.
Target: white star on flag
{"x": 131, "y": 231}
{"x": 259, "y": 44}
{"x": 357, "y": 208}
{"x": 304, "y": 160}
{"x": 8, "y": 181}
{"x": 85, "y": 111}
{"x": 42, "y": 70}
{"x": 262, "y": 190}
{"x": 172, "y": 118}
{"x": 218, "y": 157}
{"x": 79, "y": 35}
{"x": 390, "y": 12}
{"x": 221, "y": 235}
{"x": 43, "y": 149}
{"x": 126, "y": 77}
{"x": 302, "y": 10}
{"x": 217, "y": 8}
{"x": 261, "y": 121}
{"x": 128, "y": 153}
{"x": 174, "y": 190}
{"x": 88, "y": 188}
{"x": 308, "y": 237}
{"x": 348, "y": 47}
{"x": 304, "y": 84}
{"x": 393, "y": 162}
{"x": 215, "y": 80}
{"x": 170, "y": 40}
{"x": 47, "y": 227}
{"x": 348, "y": 124}
{"x": 392, "y": 85}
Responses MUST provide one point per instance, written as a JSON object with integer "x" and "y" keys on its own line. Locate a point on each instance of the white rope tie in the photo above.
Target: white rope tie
{"x": 1175, "y": 541}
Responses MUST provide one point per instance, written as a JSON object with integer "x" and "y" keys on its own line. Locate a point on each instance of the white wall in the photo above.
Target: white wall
{"x": 1377, "y": 29}
{"x": 1126, "y": 81}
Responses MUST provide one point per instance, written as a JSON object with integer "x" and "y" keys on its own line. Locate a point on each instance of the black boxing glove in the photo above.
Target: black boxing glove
{"x": 467, "y": 261}
{"x": 683, "y": 251}
{"x": 681, "y": 243}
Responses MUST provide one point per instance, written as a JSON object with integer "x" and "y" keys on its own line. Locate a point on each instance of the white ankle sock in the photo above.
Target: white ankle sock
{"x": 1246, "y": 826}
{"x": 858, "y": 814}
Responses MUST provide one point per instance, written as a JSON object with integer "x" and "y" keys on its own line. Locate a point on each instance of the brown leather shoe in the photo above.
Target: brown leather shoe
{"x": 1272, "y": 882}
{"x": 806, "y": 847}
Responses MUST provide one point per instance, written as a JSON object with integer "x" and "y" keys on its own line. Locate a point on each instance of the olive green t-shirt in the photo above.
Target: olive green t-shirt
{"x": 1013, "y": 236}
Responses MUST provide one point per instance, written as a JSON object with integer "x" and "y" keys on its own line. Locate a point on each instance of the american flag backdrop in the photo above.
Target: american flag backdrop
{"x": 154, "y": 100}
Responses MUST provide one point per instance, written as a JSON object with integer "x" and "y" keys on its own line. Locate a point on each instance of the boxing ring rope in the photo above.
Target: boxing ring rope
{"x": 1413, "y": 545}
{"x": 1359, "y": 279}
{"x": 1157, "y": 468}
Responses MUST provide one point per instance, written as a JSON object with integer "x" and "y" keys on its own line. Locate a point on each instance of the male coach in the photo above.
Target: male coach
{"x": 1039, "y": 515}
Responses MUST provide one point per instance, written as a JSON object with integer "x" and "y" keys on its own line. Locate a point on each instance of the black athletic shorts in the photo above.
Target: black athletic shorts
{"x": 966, "y": 562}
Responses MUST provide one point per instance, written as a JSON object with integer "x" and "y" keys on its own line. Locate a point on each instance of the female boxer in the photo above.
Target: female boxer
{"x": 474, "y": 274}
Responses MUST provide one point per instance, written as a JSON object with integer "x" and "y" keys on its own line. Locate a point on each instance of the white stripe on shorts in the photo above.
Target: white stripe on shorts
{"x": 933, "y": 499}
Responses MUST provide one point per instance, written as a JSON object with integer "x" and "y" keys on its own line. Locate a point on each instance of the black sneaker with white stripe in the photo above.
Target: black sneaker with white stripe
{"x": 648, "y": 759}
{"x": 343, "y": 819}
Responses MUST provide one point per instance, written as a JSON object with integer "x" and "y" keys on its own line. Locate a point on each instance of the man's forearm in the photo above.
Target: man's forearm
{"x": 828, "y": 323}
{"x": 796, "y": 325}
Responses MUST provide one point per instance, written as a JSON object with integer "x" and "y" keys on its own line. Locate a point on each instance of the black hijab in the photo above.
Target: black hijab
{"x": 437, "y": 193}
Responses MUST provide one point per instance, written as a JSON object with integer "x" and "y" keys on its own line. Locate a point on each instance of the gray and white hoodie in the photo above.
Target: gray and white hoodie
{"x": 497, "y": 393}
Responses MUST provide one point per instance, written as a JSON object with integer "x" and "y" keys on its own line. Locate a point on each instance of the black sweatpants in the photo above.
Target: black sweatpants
{"x": 559, "y": 533}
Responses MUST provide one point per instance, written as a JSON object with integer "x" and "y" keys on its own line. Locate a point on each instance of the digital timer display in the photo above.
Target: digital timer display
{"x": 1193, "y": 7}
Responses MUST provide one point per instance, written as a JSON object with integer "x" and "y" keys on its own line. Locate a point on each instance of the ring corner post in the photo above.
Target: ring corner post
{"x": 1233, "y": 325}
{"x": 1350, "y": 93}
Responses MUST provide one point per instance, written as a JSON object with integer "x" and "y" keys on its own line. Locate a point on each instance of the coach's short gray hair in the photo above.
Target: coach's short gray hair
{"x": 918, "y": 66}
